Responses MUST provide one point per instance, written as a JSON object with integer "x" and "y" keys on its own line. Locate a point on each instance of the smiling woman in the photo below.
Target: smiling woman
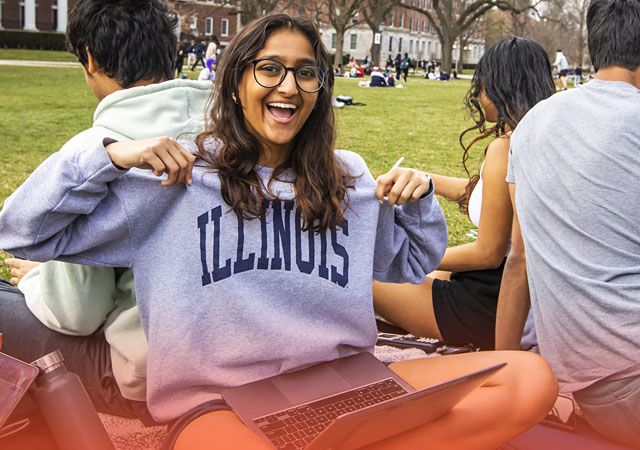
{"x": 274, "y": 94}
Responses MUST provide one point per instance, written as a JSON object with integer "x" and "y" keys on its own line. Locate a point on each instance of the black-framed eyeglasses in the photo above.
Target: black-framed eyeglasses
{"x": 270, "y": 73}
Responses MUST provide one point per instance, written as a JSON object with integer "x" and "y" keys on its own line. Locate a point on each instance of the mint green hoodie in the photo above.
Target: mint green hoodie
{"x": 57, "y": 293}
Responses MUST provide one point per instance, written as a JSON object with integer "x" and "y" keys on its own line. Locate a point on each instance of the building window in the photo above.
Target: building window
{"x": 424, "y": 25}
{"x": 399, "y": 45}
{"x": 354, "y": 18}
{"x": 54, "y": 18}
{"x": 334, "y": 39}
{"x": 411, "y": 24}
{"x": 224, "y": 27}
{"x": 194, "y": 25}
{"x": 390, "y": 44}
{"x": 208, "y": 26}
{"x": 354, "y": 41}
{"x": 402, "y": 20}
{"x": 411, "y": 47}
{"x": 393, "y": 19}
{"x": 21, "y": 15}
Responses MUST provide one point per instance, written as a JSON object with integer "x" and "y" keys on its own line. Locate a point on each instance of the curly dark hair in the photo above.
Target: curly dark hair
{"x": 514, "y": 74}
{"x": 322, "y": 182}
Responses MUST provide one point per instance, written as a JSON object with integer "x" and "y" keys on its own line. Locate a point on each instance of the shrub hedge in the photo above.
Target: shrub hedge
{"x": 32, "y": 40}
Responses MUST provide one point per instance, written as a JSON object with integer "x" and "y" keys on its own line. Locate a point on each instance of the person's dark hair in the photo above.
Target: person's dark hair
{"x": 130, "y": 40}
{"x": 613, "y": 33}
{"x": 515, "y": 74}
{"x": 321, "y": 184}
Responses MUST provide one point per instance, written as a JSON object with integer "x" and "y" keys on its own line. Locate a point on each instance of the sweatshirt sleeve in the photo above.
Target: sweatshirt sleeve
{"x": 68, "y": 210}
{"x": 410, "y": 241}
{"x": 70, "y": 298}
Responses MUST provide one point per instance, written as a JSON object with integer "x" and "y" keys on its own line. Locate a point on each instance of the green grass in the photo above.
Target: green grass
{"x": 36, "y": 55}
{"x": 43, "y": 107}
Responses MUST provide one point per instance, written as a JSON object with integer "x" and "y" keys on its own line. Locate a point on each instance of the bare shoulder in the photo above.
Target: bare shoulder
{"x": 500, "y": 145}
{"x": 497, "y": 157}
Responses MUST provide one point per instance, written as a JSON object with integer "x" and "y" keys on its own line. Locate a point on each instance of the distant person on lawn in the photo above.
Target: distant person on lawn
{"x": 90, "y": 313}
{"x": 575, "y": 188}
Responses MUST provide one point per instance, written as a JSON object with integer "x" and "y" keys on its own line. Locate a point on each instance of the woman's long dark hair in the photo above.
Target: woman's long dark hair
{"x": 515, "y": 74}
{"x": 321, "y": 183}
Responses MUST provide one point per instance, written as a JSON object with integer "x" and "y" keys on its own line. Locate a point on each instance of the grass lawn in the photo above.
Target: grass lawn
{"x": 37, "y": 55}
{"x": 43, "y": 107}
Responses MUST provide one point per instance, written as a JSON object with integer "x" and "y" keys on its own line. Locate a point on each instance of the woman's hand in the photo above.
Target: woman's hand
{"x": 401, "y": 184}
{"x": 160, "y": 155}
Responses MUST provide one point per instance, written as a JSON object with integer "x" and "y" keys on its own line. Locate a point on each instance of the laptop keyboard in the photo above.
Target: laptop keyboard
{"x": 296, "y": 427}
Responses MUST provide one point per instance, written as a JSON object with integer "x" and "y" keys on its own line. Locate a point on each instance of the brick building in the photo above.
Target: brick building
{"x": 199, "y": 19}
{"x": 404, "y": 31}
{"x": 32, "y": 15}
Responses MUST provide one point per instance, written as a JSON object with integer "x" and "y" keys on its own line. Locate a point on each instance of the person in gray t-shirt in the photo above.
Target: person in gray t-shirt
{"x": 575, "y": 191}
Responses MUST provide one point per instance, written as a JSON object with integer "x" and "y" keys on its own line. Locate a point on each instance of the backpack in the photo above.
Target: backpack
{"x": 404, "y": 64}
{"x": 344, "y": 99}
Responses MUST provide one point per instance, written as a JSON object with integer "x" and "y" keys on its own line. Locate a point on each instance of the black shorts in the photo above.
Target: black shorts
{"x": 563, "y": 73}
{"x": 465, "y": 307}
{"x": 181, "y": 423}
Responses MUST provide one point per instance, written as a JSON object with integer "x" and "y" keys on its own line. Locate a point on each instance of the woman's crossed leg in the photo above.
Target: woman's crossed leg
{"x": 507, "y": 404}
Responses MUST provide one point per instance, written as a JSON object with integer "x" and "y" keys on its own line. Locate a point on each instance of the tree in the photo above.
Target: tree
{"x": 577, "y": 12}
{"x": 252, "y": 9}
{"x": 340, "y": 14}
{"x": 466, "y": 37}
{"x": 375, "y": 12}
{"x": 450, "y": 18}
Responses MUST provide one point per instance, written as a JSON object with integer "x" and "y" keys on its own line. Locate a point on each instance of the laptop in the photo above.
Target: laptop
{"x": 346, "y": 403}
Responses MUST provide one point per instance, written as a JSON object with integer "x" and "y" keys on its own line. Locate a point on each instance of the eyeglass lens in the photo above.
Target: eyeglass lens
{"x": 269, "y": 73}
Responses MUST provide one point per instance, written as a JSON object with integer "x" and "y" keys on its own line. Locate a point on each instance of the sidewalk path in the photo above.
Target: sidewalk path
{"x": 15, "y": 62}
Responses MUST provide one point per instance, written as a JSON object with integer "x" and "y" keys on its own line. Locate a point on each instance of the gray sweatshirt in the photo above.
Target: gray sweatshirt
{"x": 224, "y": 301}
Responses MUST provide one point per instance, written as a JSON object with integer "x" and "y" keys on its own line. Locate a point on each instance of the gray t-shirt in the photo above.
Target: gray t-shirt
{"x": 575, "y": 159}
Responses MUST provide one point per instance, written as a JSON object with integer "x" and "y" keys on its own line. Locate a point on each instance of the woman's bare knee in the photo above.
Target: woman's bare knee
{"x": 219, "y": 430}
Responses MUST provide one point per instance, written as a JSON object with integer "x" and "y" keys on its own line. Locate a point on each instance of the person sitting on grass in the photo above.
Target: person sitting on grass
{"x": 458, "y": 302}
{"x": 377, "y": 78}
{"x": 273, "y": 240}
{"x": 90, "y": 313}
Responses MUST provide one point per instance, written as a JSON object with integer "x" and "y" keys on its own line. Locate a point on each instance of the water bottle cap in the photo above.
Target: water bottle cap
{"x": 49, "y": 362}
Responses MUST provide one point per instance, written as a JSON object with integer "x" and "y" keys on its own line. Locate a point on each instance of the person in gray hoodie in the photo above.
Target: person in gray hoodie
{"x": 90, "y": 313}
{"x": 273, "y": 241}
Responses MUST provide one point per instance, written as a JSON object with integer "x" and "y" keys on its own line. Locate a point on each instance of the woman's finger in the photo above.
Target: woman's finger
{"x": 190, "y": 159}
{"x": 383, "y": 184}
{"x": 171, "y": 167}
{"x": 153, "y": 163}
{"x": 412, "y": 191}
{"x": 400, "y": 182}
